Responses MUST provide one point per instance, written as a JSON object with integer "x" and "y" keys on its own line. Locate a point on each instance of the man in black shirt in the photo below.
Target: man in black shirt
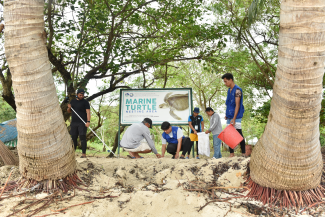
{"x": 82, "y": 108}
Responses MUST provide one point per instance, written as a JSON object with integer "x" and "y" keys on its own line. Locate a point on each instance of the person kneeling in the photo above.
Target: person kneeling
{"x": 136, "y": 139}
{"x": 176, "y": 141}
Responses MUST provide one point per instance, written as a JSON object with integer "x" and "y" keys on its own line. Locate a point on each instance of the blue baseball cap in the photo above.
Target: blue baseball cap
{"x": 196, "y": 110}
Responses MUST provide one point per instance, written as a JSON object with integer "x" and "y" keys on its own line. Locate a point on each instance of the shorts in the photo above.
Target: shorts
{"x": 193, "y": 137}
{"x": 237, "y": 124}
{"x": 78, "y": 129}
{"x": 142, "y": 147}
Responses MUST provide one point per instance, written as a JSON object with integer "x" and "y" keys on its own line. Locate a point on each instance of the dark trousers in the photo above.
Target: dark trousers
{"x": 81, "y": 130}
{"x": 242, "y": 143}
{"x": 197, "y": 147}
{"x": 186, "y": 147}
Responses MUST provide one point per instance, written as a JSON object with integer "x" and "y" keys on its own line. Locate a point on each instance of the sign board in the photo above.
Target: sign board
{"x": 173, "y": 105}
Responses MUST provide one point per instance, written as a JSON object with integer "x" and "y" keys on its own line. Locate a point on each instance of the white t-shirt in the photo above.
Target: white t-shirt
{"x": 179, "y": 135}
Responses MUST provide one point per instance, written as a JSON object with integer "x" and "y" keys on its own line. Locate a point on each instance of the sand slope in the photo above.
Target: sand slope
{"x": 147, "y": 187}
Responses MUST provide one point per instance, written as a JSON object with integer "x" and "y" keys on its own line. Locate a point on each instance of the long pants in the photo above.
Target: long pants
{"x": 216, "y": 146}
{"x": 185, "y": 148}
{"x": 83, "y": 141}
{"x": 242, "y": 143}
{"x": 81, "y": 130}
{"x": 197, "y": 147}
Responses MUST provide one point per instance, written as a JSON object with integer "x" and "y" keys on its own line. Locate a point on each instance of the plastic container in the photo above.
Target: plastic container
{"x": 230, "y": 136}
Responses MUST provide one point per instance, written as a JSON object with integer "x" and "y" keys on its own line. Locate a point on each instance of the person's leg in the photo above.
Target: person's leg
{"x": 82, "y": 135}
{"x": 232, "y": 154}
{"x": 215, "y": 150}
{"x": 189, "y": 153}
{"x": 186, "y": 146}
{"x": 83, "y": 141}
{"x": 242, "y": 143}
{"x": 171, "y": 148}
{"x": 136, "y": 154}
{"x": 218, "y": 147}
{"x": 74, "y": 135}
{"x": 131, "y": 154}
{"x": 75, "y": 141}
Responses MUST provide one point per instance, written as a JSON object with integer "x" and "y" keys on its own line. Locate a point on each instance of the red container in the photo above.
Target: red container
{"x": 230, "y": 136}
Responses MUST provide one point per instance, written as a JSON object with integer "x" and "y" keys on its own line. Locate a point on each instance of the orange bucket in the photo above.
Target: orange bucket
{"x": 230, "y": 136}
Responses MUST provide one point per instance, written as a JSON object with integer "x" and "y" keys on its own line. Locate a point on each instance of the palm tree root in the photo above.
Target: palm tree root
{"x": 287, "y": 199}
{"x": 284, "y": 198}
{"x": 26, "y": 184}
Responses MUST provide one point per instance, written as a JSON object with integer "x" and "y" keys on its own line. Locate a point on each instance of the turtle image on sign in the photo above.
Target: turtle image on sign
{"x": 178, "y": 102}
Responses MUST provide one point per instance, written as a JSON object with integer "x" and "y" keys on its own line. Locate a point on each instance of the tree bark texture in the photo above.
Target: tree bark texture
{"x": 44, "y": 145}
{"x": 288, "y": 155}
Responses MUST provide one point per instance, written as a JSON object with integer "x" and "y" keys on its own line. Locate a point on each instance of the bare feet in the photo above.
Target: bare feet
{"x": 232, "y": 155}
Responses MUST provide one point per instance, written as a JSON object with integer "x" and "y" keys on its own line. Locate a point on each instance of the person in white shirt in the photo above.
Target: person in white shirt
{"x": 176, "y": 141}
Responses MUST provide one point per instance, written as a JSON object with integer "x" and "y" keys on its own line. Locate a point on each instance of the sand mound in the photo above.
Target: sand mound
{"x": 150, "y": 187}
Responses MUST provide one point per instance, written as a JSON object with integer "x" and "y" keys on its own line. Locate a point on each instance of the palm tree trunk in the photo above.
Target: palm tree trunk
{"x": 44, "y": 145}
{"x": 7, "y": 156}
{"x": 288, "y": 155}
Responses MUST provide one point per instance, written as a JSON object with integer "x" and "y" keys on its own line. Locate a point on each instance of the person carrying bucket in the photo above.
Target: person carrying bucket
{"x": 235, "y": 108}
{"x": 196, "y": 124}
{"x": 215, "y": 129}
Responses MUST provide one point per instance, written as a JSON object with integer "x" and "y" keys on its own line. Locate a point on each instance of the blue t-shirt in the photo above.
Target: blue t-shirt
{"x": 196, "y": 121}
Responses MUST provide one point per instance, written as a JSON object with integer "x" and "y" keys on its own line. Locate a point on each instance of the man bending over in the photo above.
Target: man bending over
{"x": 136, "y": 139}
{"x": 176, "y": 141}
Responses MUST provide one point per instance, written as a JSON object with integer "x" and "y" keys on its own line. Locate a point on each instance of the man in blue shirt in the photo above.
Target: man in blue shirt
{"x": 195, "y": 121}
{"x": 235, "y": 108}
{"x": 176, "y": 141}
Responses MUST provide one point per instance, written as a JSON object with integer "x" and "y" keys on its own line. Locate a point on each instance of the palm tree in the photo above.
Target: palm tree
{"x": 45, "y": 149}
{"x": 286, "y": 164}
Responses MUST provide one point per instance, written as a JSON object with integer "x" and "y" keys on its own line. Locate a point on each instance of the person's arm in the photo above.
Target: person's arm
{"x": 163, "y": 150}
{"x": 233, "y": 121}
{"x": 179, "y": 146}
{"x": 191, "y": 126}
{"x": 151, "y": 143}
{"x": 202, "y": 124}
{"x": 88, "y": 117}
{"x": 212, "y": 124}
{"x": 163, "y": 147}
{"x": 69, "y": 108}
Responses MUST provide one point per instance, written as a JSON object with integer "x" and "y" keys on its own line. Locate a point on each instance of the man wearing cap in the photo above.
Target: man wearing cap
{"x": 195, "y": 122}
{"x": 82, "y": 108}
{"x": 137, "y": 139}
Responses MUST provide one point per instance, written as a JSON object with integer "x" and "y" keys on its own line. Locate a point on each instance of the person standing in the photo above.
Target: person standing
{"x": 137, "y": 139}
{"x": 82, "y": 108}
{"x": 215, "y": 129}
{"x": 195, "y": 121}
{"x": 235, "y": 108}
{"x": 176, "y": 141}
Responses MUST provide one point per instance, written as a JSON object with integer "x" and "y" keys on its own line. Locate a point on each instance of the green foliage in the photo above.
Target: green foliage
{"x": 7, "y": 113}
{"x": 322, "y": 135}
{"x": 261, "y": 114}
{"x": 121, "y": 38}
{"x": 254, "y": 10}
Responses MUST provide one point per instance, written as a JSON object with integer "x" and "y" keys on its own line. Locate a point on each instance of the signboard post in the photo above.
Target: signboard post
{"x": 174, "y": 105}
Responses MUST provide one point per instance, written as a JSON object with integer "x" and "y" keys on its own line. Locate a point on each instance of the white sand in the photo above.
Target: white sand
{"x": 145, "y": 187}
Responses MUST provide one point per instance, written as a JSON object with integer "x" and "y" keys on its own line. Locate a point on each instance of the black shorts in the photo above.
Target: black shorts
{"x": 78, "y": 129}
